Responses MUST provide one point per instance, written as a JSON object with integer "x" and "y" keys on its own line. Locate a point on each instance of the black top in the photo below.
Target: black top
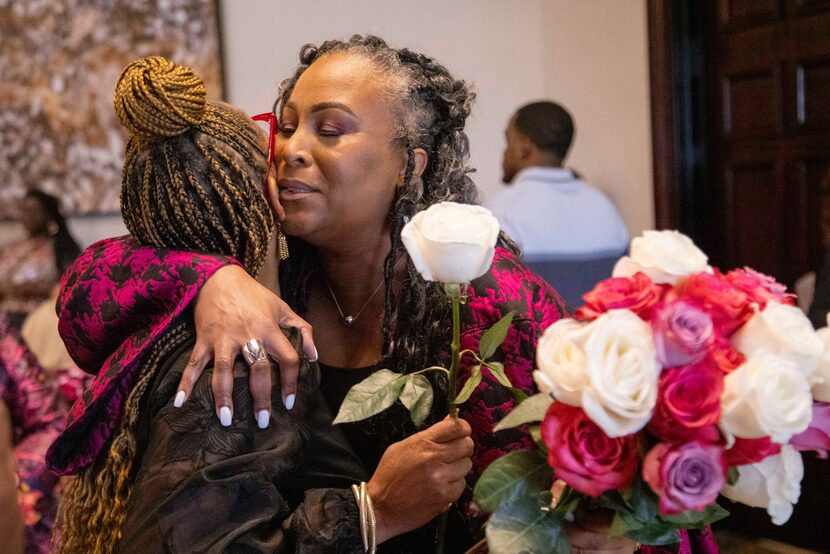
{"x": 369, "y": 439}
{"x": 367, "y": 442}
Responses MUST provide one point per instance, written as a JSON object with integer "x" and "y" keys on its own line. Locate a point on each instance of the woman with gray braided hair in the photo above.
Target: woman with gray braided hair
{"x": 368, "y": 136}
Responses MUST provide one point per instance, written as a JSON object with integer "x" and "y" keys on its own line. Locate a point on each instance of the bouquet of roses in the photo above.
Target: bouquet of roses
{"x": 674, "y": 383}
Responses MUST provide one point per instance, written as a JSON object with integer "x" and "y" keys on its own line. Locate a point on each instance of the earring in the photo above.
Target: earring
{"x": 52, "y": 228}
{"x": 282, "y": 244}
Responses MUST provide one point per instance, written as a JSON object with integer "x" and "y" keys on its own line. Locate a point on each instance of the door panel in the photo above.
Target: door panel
{"x": 768, "y": 79}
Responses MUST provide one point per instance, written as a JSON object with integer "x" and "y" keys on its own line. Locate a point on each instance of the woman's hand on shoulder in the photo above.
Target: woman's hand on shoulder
{"x": 233, "y": 308}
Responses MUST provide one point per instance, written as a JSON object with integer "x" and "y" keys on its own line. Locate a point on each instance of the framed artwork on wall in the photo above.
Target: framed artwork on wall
{"x": 60, "y": 60}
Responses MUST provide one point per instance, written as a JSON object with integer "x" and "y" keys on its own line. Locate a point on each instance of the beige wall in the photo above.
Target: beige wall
{"x": 596, "y": 64}
{"x": 591, "y": 55}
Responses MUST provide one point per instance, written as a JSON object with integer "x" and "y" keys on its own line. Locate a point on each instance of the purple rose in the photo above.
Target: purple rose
{"x": 817, "y": 435}
{"x": 685, "y": 476}
{"x": 683, "y": 333}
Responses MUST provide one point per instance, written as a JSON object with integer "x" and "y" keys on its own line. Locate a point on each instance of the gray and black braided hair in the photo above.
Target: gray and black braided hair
{"x": 430, "y": 108}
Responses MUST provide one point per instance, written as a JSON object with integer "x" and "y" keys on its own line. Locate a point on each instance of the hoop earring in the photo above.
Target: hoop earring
{"x": 282, "y": 244}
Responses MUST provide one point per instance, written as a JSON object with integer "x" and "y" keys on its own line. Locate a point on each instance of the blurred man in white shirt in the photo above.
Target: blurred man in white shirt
{"x": 546, "y": 209}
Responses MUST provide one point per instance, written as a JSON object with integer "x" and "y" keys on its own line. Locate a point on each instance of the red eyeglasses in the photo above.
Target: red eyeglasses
{"x": 271, "y": 120}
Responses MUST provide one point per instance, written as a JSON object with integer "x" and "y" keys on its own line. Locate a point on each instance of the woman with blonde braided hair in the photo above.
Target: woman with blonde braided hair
{"x": 192, "y": 180}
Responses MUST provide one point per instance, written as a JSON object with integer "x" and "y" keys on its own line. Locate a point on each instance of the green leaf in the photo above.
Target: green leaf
{"x": 497, "y": 371}
{"x": 732, "y": 478}
{"x": 693, "y": 519}
{"x": 523, "y": 526}
{"x": 494, "y": 336}
{"x": 513, "y": 476}
{"x": 469, "y": 386}
{"x": 518, "y": 394}
{"x": 619, "y": 525}
{"x": 568, "y": 502}
{"x": 536, "y": 434}
{"x": 656, "y": 535}
{"x": 643, "y": 502}
{"x": 417, "y": 397}
{"x": 371, "y": 396}
{"x": 532, "y": 409}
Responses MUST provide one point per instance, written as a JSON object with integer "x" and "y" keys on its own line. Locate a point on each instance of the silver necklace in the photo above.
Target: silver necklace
{"x": 348, "y": 320}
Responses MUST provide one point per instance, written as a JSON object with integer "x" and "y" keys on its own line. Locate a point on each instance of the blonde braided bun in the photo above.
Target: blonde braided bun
{"x": 155, "y": 97}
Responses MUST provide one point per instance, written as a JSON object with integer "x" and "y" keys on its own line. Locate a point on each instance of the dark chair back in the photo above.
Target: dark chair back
{"x": 573, "y": 277}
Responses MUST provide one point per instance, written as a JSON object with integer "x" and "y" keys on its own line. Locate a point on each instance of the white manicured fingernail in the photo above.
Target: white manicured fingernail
{"x": 225, "y": 416}
{"x": 314, "y": 356}
{"x": 179, "y": 400}
{"x": 289, "y": 402}
{"x": 262, "y": 418}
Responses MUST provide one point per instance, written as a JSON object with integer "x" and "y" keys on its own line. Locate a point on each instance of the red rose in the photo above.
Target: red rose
{"x": 730, "y": 306}
{"x": 688, "y": 403}
{"x": 637, "y": 293}
{"x": 750, "y": 451}
{"x": 585, "y": 457}
{"x": 726, "y": 357}
{"x": 760, "y": 288}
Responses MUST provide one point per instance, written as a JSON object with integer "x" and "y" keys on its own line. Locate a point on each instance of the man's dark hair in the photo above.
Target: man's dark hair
{"x": 548, "y": 125}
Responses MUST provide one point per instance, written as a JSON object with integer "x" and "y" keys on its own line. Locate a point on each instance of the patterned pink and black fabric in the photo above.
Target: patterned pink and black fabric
{"x": 115, "y": 301}
{"x": 36, "y": 402}
{"x": 509, "y": 286}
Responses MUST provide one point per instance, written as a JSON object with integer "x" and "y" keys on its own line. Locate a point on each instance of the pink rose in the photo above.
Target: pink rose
{"x": 688, "y": 403}
{"x": 728, "y": 305}
{"x": 760, "y": 288}
{"x": 683, "y": 332}
{"x": 726, "y": 357}
{"x": 637, "y": 293}
{"x": 817, "y": 435}
{"x": 585, "y": 457}
{"x": 750, "y": 451}
{"x": 685, "y": 476}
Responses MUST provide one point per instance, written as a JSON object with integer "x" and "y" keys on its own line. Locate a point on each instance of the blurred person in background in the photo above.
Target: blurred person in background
{"x": 548, "y": 209}
{"x": 31, "y": 267}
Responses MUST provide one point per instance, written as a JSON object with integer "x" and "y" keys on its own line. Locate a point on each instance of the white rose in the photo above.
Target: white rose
{"x": 450, "y": 242}
{"x": 561, "y": 362}
{"x": 623, "y": 373}
{"x": 783, "y": 330}
{"x": 766, "y": 396}
{"x": 820, "y": 379}
{"x": 773, "y": 483}
{"x": 608, "y": 367}
{"x": 665, "y": 256}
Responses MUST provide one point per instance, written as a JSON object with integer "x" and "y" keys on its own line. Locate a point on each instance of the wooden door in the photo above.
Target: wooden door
{"x": 768, "y": 74}
{"x": 768, "y": 81}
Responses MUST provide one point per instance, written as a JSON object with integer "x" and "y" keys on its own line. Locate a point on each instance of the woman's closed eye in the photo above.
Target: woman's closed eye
{"x": 287, "y": 130}
{"x": 329, "y": 131}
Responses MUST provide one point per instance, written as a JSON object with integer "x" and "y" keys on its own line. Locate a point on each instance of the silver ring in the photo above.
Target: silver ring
{"x": 254, "y": 351}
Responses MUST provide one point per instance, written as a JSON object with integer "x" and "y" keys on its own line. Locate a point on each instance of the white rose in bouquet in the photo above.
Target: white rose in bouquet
{"x": 665, "y": 256}
{"x": 561, "y": 362}
{"x": 773, "y": 483}
{"x": 450, "y": 242}
{"x": 783, "y": 330}
{"x": 766, "y": 396}
{"x": 820, "y": 379}
{"x": 623, "y": 373}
